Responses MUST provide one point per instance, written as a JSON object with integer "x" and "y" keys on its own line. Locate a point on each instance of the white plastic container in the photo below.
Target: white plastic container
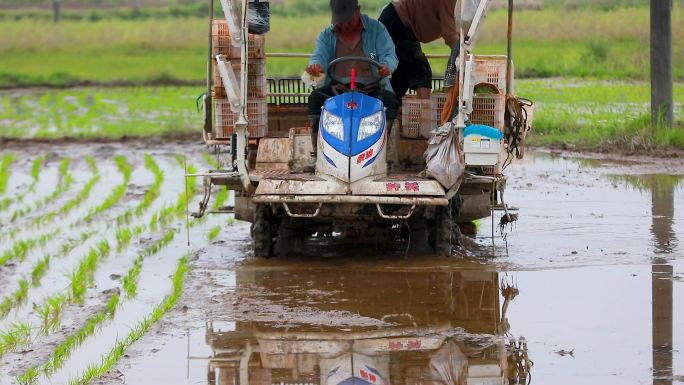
{"x": 482, "y": 145}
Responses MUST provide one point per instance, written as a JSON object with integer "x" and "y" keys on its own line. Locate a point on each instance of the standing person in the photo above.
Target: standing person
{"x": 352, "y": 34}
{"x": 411, "y": 22}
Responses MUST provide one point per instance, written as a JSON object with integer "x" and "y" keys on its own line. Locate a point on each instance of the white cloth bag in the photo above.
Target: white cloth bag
{"x": 444, "y": 156}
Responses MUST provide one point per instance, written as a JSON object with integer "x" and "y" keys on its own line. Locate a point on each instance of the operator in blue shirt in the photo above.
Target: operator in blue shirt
{"x": 352, "y": 34}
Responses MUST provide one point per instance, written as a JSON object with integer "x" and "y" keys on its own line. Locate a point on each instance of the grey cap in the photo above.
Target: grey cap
{"x": 343, "y": 10}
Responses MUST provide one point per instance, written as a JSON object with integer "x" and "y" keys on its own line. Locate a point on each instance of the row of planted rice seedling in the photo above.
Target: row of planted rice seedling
{"x": 150, "y": 196}
{"x": 110, "y": 359}
{"x": 63, "y": 185}
{"x": 50, "y": 310}
{"x": 118, "y": 192}
{"x": 5, "y": 163}
{"x": 62, "y": 351}
{"x": 21, "y": 248}
{"x": 102, "y": 248}
{"x": 65, "y": 180}
{"x": 77, "y": 200}
{"x": 129, "y": 283}
{"x": 83, "y": 274}
{"x": 18, "y": 334}
{"x": 39, "y": 270}
{"x": 36, "y": 168}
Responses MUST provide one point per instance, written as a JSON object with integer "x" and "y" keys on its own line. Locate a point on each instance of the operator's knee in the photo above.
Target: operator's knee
{"x": 317, "y": 99}
{"x": 390, "y": 101}
{"x": 315, "y": 104}
{"x": 314, "y": 121}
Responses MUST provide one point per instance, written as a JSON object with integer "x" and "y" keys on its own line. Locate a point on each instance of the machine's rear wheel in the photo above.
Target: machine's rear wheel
{"x": 446, "y": 234}
{"x": 443, "y": 241}
{"x": 262, "y": 231}
{"x": 291, "y": 233}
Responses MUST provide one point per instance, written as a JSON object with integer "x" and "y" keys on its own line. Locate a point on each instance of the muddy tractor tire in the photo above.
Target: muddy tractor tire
{"x": 262, "y": 232}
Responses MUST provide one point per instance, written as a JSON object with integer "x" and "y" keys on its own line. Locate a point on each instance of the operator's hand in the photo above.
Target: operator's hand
{"x": 314, "y": 69}
{"x": 384, "y": 71}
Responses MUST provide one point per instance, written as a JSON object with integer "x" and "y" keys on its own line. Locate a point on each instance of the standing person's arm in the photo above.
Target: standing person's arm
{"x": 447, "y": 21}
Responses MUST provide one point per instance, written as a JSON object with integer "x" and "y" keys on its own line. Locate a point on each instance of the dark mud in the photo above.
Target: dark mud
{"x": 586, "y": 285}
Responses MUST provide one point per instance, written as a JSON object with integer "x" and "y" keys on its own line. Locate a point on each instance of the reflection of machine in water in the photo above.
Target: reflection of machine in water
{"x": 442, "y": 328}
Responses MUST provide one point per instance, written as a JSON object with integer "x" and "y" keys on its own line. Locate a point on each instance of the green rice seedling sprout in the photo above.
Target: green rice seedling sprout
{"x": 154, "y": 192}
{"x": 114, "y": 355}
{"x": 123, "y": 238}
{"x": 150, "y": 195}
{"x": 92, "y": 164}
{"x": 153, "y": 221}
{"x": 36, "y": 167}
{"x": 118, "y": 192}
{"x": 39, "y": 270}
{"x": 21, "y": 294}
{"x": 5, "y": 307}
{"x": 20, "y": 249}
{"x": 16, "y": 298}
{"x": 29, "y": 377}
{"x": 5, "y": 164}
{"x": 50, "y": 312}
{"x": 213, "y": 233}
{"x": 221, "y": 197}
{"x": 125, "y": 235}
{"x": 130, "y": 279}
{"x": 230, "y": 221}
{"x": 211, "y": 160}
{"x": 5, "y": 203}
{"x": 82, "y": 277}
{"x": 14, "y": 337}
{"x": 63, "y": 185}
{"x": 74, "y": 202}
{"x": 63, "y": 351}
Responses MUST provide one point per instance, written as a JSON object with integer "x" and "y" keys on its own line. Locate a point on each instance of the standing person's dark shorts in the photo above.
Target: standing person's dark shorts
{"x": 414, "y": 69}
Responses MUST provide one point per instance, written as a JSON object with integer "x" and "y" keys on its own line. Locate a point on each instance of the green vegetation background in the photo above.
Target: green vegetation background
{"x": 159, "y": 45}
{"x": 590, "y": 44}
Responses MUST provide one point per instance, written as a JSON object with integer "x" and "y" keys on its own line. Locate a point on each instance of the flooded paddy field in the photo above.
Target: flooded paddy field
{"x": 586, "y": 287}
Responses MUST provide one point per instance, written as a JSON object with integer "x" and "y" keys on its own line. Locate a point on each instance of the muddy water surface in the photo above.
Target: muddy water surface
{"x": 587, "y": 288}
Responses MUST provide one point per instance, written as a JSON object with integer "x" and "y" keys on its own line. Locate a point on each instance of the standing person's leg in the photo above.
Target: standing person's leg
{"x": 316, "y": 101}
{"x": 421, "y": 72}
{"x": 396, "y": 29}
{"x": 414, "y": 70}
